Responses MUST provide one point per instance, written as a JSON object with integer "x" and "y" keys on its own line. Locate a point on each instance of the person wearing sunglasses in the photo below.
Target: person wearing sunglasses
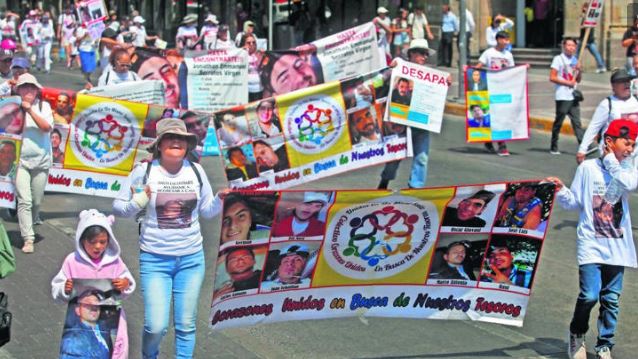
{"x": 120, "y": 70}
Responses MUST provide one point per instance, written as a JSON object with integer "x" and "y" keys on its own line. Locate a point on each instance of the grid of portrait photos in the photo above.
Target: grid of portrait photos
{"x": 491, "y": 236}
{"x": 478, "y": 121}
{"x": 252, "y": 139}
{"x": 269, "y": 241}
{"x": 92, "y": 319}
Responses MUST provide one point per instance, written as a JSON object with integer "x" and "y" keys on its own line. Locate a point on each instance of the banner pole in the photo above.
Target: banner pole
{"x": 270, "y": 23}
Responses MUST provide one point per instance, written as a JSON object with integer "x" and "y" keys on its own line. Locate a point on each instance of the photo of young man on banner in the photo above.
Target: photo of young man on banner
{"x": 525, "y": 208}
{"x": 247, "y": 218}
{"x": 301, "y": 215}
{"x": 457, "y": 259}
{"x": 510, "y": 261}
{"x": 289, "y": 265}
{"x": 473, "y": 209}
{"x": 239, "y": 270}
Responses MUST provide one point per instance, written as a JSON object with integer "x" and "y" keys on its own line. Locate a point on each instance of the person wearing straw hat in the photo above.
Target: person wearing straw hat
{"x": 208, "y": 32}
{"x": 35, "y": 156}
{"x": 186, "y": 37}
{"x": 418, "y": 53}
{"x": 172, "y": 255}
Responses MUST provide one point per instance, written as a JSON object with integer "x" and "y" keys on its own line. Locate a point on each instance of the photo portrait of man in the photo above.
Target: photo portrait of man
{"x": 197, "y": 125}
{"x": 269, "y": 159}
{"x": 11, "y": 118}
{"x": 301, "y": 218}
{"x": 454, "y": 258}
{"x": 239, "y": 167}
{"x": 364, "y": 127}
{"x": 501, "y": 267}
{"x": 479, "y": 117}
{"x": 292, "y": 262}
{"x": 8, "y": 158}
{"x": 63, "y": 109}
{"x": 241, "y": 221}
{"x": 476, "y": 81}
{"x": 85, "y": 335}
{"x": 402, "y": 93}
{"x": 522, "y": 210}
{"x": 240, "y": 266}
{"x": 467, "y": 212}
{"x": 57, "y": 153}
{"x": 607, "y": 218}
{"x": 286, "y": 71}
{"x": 175, "y": 210}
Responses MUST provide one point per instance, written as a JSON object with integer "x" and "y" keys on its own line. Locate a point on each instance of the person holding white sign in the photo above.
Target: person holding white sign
{"x": 418, "y": 53}
{"x": 497, "y": 58}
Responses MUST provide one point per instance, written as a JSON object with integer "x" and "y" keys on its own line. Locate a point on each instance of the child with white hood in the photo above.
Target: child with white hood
{"x": 97, "y": 256}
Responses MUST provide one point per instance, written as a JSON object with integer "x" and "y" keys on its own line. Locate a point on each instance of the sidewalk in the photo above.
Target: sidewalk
{"x": 595, "y": 87}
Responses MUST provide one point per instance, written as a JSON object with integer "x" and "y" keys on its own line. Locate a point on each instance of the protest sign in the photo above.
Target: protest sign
{"x": 376, "y": 253}
{"x": 497, "y": 107}
{"x": 92, "y": 320}
{"x": 104, "y": 134}
{"x": 146, "y": 91}
{"x": 349, "y": 53}
{"x": 428, "y": 87}
{"x": 217, "y": 79}
{"x": 91, "y": 11}
{"x": 11, "y": 126}
{"x": 309, "y": 134}
{"x": 594, "y": 9}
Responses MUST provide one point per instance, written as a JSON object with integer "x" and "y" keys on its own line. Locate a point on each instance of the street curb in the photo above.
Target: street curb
{"x": 535, "y": 122}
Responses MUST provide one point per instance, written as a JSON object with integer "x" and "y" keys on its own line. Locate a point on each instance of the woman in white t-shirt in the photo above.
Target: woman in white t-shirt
{"x": 35, "y": 156}
{"x": 119, "y": 71}
{"x": 66, "y": 28}
{"x": 186, "y": 37}
{"x": 86, "y": 48}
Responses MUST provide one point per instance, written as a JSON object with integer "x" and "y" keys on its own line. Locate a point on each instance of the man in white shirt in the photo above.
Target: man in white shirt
{"x": 500, "y": 23}
{"x": 620, "y": 105}
{"x": 496, "y": 58}
{"x": 419, "y": 24}
{"x": 566, "y": 74}
{"x": 140, "y": 32}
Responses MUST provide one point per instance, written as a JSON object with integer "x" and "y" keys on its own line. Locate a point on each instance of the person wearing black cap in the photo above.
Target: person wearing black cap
{"x": 605, "y": 243}
{"x": 454, "y": 257}
{"x": 630, "y": 41}
{"x": 497, "y": 58}
{"x": 619, "y": 105}
{"x": 292, "y": 261}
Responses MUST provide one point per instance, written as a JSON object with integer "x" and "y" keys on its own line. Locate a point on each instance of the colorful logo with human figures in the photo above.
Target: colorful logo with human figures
{"x": 104, "y": 134}
{"x": 314, "y": 123}
{"x": 381, "y": 238}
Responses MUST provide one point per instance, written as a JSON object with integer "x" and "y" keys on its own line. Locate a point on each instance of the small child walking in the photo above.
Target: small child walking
{"x": 605, "y": 245}
{"x": 97, "y": 256}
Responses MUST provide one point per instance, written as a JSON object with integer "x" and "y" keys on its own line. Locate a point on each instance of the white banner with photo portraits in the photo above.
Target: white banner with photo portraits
{"x": 465, "y": 253}
{"x": 497, "y": 106}
{"x": 417, "y": 96}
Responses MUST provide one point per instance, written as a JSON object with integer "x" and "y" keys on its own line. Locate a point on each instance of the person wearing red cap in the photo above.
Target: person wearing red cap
{"x": 605, "y": 246}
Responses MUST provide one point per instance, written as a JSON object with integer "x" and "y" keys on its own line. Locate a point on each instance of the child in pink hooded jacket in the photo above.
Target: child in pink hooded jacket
{"x": 97, "y": 256}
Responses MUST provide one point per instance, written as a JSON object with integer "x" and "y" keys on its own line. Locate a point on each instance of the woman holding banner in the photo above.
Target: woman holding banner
{"x": 171, "y": 252}
{"x": 35, "y": 156}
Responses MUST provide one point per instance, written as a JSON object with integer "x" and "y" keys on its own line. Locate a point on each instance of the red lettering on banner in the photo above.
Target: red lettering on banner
{"x": 497, "y": 307}
{"x": 287, "y": 177}
{"x": 258, "y": 185}
{"x": 60, "y": 180}
{"x": 424, "y": 76}
{"x": 396, "y": 148}
{"x": 6, "y": 195}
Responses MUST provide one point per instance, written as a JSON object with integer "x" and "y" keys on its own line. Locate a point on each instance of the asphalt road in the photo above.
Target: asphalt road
{"x": 38, "y": 321}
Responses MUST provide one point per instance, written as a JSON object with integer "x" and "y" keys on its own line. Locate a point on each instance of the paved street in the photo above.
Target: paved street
{"x": 38, "y": 321}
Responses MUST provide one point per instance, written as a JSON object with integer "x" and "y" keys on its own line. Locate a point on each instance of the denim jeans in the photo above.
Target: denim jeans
{"x": 419, "y": 171}
{"x": 163, "y": 277}
{"x": 598, "y": 282}
{"x": 593, "y": 49}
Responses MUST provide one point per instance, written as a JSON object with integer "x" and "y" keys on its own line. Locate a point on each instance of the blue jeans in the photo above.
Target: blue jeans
{"x": 593, "y": 49}
{"x": 163, "y": 277}
{"x": 598, "y": 282}
{"x": 419, "y": 172}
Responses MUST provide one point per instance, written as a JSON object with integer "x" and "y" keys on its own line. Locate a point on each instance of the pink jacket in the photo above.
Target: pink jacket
{"x": 78, "y": 265}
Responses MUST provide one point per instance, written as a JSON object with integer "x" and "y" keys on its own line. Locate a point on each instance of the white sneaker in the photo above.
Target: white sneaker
{"x": 603, "y": 353}
{"x": 601, "y": 70}
{"x": 28, "y": 247}
{"x": 554, "y": 152}
{"x": 576, "y": 346}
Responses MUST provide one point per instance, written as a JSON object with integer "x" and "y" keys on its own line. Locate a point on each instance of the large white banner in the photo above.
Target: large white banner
{"x": 417, "y": 96}
{"x": 146, "y": 91}
{"x": 497, "y": 107}
{"x": 217, "y": 79}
